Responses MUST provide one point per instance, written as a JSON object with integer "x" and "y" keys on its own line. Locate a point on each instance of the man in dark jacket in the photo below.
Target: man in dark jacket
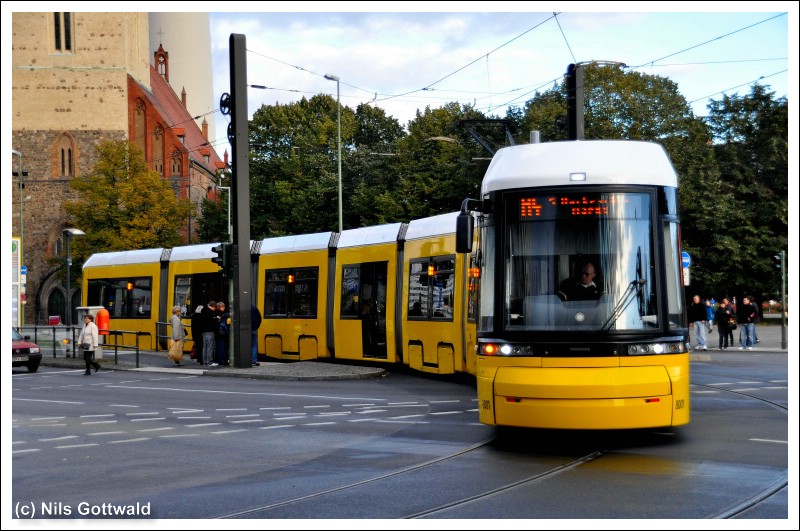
{"x": 255, "y": 323}
{"x": 209, "y": 325}
{"x": 747, "y": 320}
{"x": 197, "y": 333}
{"x": 698, "y": 317}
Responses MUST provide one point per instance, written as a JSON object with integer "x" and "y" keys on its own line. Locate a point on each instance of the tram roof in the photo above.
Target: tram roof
{"x": 139, "y": 256}
{"x": 298, "y": 242}
{"x": 192, "y": 252}
{"x": 602, "y": 161}
{"x": 432, "y": 226}
{"x": 370, "y": 235}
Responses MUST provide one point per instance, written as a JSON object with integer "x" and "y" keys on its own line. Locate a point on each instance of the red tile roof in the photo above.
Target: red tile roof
{"x": 170, "y": 107}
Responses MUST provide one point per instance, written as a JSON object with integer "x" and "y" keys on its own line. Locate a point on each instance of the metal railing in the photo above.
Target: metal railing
{"x": 161, "y": 334}
{"x": 68, "y": 343}
{"x": 53, "y": 338}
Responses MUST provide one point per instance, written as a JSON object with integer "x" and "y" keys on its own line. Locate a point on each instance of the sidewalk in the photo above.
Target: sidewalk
{"x": 769, "y": 340}
{"x": 152, "y": 361}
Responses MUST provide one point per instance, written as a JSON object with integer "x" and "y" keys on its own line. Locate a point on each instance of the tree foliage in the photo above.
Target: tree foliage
{"x": 732, "y": 169}
{"x": 123, "y": 205}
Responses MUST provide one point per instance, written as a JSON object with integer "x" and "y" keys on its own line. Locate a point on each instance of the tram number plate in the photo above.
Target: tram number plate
{"x": 486, "y": 404}
{"x": 679, "y": 404}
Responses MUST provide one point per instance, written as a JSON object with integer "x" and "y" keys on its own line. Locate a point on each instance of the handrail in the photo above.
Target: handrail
{"x": 116, "y": 334}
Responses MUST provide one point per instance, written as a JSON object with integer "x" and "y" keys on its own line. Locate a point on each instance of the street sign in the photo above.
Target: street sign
{"x": 24, "y": 270}
{"x": 686, "y": 260}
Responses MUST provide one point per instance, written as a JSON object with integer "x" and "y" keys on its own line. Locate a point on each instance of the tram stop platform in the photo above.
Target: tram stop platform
{"x": 157, "y": 361}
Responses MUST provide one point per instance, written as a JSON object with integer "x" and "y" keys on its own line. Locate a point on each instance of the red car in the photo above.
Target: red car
{"x": 25, "y": 353}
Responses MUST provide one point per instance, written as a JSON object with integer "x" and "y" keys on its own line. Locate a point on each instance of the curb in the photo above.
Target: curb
{"x": 292, "y": 371}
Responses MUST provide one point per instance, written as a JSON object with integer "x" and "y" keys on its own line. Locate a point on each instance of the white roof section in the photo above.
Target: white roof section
{"x": 602, "y": 161}
{"x": 299, "y": 242}
{"x": 192, "y": 252}
{"x": 369, "y": 235}
{"x": 140, "y": 256}
{"x": 432, "y": 226}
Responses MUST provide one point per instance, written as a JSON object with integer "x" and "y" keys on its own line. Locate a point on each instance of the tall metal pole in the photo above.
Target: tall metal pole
{"x": 784, "y": 343}
{"x": 238, "y": 135}
{"x": 21, "y": 318}
{"x": 230, "y": 233}
{"x": 68, "y": 234}
{"x": 68, "y": 262}
{"x": 331, "y": 77}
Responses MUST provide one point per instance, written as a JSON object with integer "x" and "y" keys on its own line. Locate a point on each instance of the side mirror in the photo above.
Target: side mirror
{"x": 464, "y": 232}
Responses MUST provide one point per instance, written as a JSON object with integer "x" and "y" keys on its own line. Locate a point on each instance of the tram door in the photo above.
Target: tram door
{"x": 372, "y": 309}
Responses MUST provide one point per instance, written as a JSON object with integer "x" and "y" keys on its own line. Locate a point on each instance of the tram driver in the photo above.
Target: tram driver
{"x": 582, "y": 287}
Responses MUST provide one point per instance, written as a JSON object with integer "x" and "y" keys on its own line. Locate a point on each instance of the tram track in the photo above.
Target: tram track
{"x": 290, "y": 501}
{"x": 745, "y": 504}
{"x": 552, "y": 472}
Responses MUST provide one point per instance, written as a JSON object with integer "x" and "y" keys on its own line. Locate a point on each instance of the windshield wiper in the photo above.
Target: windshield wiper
{"x": 633, "y": 289}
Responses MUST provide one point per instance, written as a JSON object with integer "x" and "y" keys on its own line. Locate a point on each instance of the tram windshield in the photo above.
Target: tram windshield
{"x": 580, "y": 260}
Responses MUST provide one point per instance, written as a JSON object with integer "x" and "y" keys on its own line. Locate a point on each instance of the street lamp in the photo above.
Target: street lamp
{"x": 331, "y": 77}
{"x": 68, "y": 234}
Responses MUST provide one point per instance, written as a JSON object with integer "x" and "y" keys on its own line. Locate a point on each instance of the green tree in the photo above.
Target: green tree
{"x": 213, "y": 224}
{"x": 123, "y": 205}
{"x": 751, "y": 135}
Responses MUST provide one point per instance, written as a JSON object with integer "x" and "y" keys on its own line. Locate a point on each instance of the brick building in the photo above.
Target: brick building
{"x": 80, "y": 79}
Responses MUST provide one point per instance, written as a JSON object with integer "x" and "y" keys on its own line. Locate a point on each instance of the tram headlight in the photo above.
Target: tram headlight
{"x": 504, "y": 349}
{"x": 645, "y": 349}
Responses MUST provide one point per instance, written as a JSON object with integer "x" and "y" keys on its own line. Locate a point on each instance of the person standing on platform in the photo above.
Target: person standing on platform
{"x": 255, "y": 323}
{"x": 749, "y": 316}
{"x": 721, "y": 317}
{"x": 698, "y": 317}
{"x": 210, "y": 325}
{"x": 177, "y": 336}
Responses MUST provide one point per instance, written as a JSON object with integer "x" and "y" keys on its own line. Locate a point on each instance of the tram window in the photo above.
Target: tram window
{"x": 351, "y": 285}
{"x": 431, "y": 285}
{"x": 291, "y": 292}
{"x": 122, "y": 297}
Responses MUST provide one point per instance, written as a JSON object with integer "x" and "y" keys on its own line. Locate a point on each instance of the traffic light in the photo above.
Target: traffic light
{"x": 220, "y": 258}
{"x": 224, "y": 258}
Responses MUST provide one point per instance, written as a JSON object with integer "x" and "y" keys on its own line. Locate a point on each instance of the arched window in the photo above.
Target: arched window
{"x": 176, "y": 163}
{"x": 158, "y": 149}
{"x": 62, "y": 30}
{"x": 66, "y": 159}
{"x": 139, "y": 125}
{"x": 55, "y": 304}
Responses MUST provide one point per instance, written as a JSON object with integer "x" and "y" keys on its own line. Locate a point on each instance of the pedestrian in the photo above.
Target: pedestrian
{"x": 222, "y": 334}
{"x": 197, "y": 334}
{"x": 722, "y": 317}
{"x": 698, "y": 317}
{"x": 177, "y": 337}
{"x": 732, "y": 308}
{"x": 209, "y": 326}
{"x": 710, "y": 309}
{"x": 88, "y": 341}
{"x": 255, "y": 324}
{"x": 748, "y": 318}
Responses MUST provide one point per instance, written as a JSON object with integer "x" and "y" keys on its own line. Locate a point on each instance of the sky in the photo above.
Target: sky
{"x": 410, "y": 55}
